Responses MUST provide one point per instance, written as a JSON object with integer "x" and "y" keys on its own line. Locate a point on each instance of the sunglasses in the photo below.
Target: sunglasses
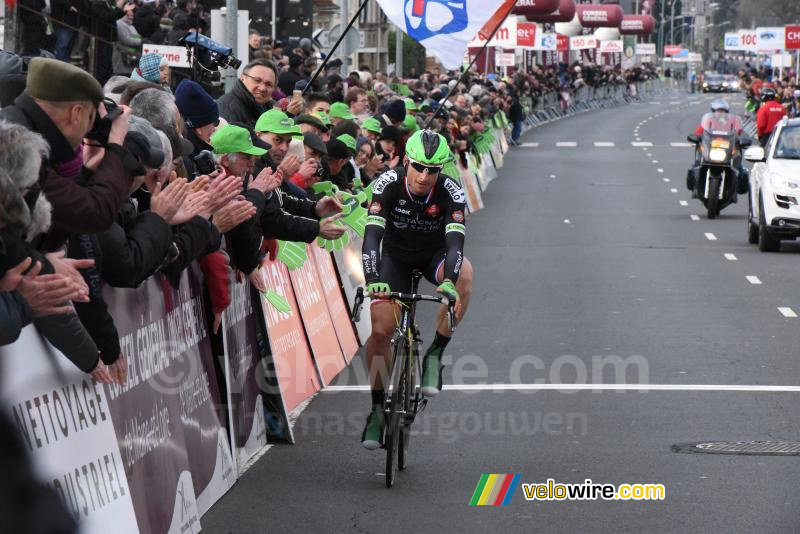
{"x": 430, "y": 169}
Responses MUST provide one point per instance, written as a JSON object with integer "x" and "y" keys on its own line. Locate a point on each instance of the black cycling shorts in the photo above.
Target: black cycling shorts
{"x": 397, "y": 272}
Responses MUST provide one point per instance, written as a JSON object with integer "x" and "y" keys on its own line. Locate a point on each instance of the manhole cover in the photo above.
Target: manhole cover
{"x": 755, "y": 448}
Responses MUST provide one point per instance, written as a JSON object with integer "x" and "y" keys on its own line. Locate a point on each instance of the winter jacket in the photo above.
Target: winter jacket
{"x": 128, "y": 46}
{"x": 147, "y": 21}
{"x": 769, "y": 114}
{"x": 239, "y": 106}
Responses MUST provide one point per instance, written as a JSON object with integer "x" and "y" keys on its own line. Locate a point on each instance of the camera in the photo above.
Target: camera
{"x": 102, "y": 125}
{"x": 204, "y": 162}
{"x": 209, "y": 56}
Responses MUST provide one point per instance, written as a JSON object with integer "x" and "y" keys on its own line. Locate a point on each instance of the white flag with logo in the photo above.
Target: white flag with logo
{"x": 443, "y": 27}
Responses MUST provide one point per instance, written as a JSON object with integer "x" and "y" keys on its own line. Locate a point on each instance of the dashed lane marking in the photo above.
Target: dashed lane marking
{"x": 729, "y": 256}
{"x": 684, "y": 203}
{"x": 787, "y": 312}
{"x": 603, "y": 144}
{"x": 753, "y": 280}
{"x": 680, "y": 144}
{"x": 529, "y": 145}
{"x": 641, "y": 143}
{"x": 694, "y": 217}
{"x": 710, "y": 236}
{"x": 566, "y": 144}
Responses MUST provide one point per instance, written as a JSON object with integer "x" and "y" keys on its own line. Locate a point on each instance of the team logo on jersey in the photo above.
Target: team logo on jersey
{"x": 456, "y": 193}
{"x": 375, "y": 208}
{"x": 432, "y": 210}
{"x": 458, "y": 216}
{"x": 385, "y": 179}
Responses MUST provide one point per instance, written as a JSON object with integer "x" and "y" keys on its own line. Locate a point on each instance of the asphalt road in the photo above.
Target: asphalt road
{"x": 582, "y": 253}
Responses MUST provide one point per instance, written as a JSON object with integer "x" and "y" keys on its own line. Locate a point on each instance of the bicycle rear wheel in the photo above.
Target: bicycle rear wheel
{"x": 396, "y": 407}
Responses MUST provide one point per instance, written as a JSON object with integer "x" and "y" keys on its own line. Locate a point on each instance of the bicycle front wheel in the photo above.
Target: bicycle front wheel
{"x": 410, "y": 409}
{"x": 395, "y": 413}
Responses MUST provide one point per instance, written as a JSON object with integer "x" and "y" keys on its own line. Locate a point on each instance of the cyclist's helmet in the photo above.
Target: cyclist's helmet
{"x": 720, "y": 104}
{"x": 768, "y": 93}
{"x": 428, "y": 147}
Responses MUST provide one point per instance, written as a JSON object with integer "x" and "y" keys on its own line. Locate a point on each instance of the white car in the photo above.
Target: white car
{"x": 774, "y": 213}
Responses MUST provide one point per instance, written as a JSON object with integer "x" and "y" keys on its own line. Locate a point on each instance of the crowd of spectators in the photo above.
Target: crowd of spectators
{"x": 787, "y": 89}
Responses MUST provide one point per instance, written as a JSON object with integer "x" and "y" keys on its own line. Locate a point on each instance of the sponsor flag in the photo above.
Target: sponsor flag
{"x": 495, "y": 490}
{"x": 443, "y": 27}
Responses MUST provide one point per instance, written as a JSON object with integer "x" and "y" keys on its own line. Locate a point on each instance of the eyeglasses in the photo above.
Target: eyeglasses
{"x": 430, "y": 169}
{"x": 259, "y": 81}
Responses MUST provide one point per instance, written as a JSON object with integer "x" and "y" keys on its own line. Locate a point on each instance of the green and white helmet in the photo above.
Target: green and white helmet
{"x": 428, "y": 147}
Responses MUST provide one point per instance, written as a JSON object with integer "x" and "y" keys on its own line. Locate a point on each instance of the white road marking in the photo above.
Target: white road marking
{"x": 753, "y": 280}
{"x": 673, "y": 190}
{"x": 654, "y": 102}
{"x": 603, "y": 144}
{"x": 594, "y": 387}
{"x": 660, "y": 169}
{"x": 730, "y": 257}
{"x": 566, "y": 144}
{"x": 529, "y": 145}
{"x": 787, "y": 312}
{"x": 674, "y": 103}
{"x": 649, "y": 155}
{"x": 642, "y": 143}
{"x": 694, "y": 217}
{"x": 710, "y": 236}
{"x": 655, "y": 161}
{"x": 681, "y": 144}
{"x": 567, "y": 221}
{"x": 666, "y": 180}
{"x": 684, "y": 203}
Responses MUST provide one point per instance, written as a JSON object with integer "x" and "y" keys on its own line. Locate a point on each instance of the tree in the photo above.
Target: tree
{"x": 753, "y": 13}
{"x": 413, "y": 53}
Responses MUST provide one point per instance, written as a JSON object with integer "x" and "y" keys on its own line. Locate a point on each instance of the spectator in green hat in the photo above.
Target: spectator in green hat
{"x": 277, "y": 129}
{"x": 411, "y": 107}
{"x": 339, "y": 112}
{"x": 410, "y": 123}
{"x": 349, "y": 142}
{"x": 236, "y": 150}
{"x": 371, "y": 129}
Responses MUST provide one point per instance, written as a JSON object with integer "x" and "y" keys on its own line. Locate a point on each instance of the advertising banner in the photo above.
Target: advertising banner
{"x": 547, "y": 42}
{"x": 645, "y": 49}
{"x": 505, "y": 37}
{"x": 337, "y": 309}
{"x": 176, "y": 56}
{"x": 526, "y": 34}
{"x": 583, "y": 42}
{"x": 470, "y": 184}
{"x": 503, "y": 59}
{"x": 293, "y": 365}
{"x": 64, "y": 422}
{"x": 562, "y": 42}
{"x": 732, "y": 41}
{"x": 317, "y": 321}
{"x": 748, "y": 40}
{"x": 351, "y": 274}
{"x": 770, "y": 39}
{"x": 611, "y": 47}
{"x": 672, "y": 50}
{"x": 792, "y": 41}
{"x": 244, "y": 371}
{"x": 168, "y": 416}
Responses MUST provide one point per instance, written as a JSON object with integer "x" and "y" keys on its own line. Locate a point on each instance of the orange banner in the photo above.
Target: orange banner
{"x": 340, "y": 315}
{"x": 293, "y": 363}
{"x": 317, "y": 321}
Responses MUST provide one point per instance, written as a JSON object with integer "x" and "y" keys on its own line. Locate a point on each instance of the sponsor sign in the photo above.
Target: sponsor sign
{"x": 505, "y": 37}
{"x": 611, "y": 47}
{"x": 526, "y": 34}
{"x": 748, "y": 40}
{"x": 732, "y": 41}
{"x": 645, "y": 49}
{"x": 695, "y": 57}
{"x": 534, "y": 7}
{"x": 547, "y": 42}
{"x": 583, "y": 42}
{"x": 351, "y": 273}
{"x": 177, "y": 56}
{"x": 792, "y": 41}
{"x": 317, "y": 321}
{"x": 599, "y": 16}
{"x": 770, "y": 39}
{"x": 503, "y": 59}
{"x": 672, "y": 50}
{"x": 562, "y": 42}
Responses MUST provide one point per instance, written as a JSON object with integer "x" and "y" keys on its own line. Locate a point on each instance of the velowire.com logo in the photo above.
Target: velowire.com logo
{"x": 495, "y": 489}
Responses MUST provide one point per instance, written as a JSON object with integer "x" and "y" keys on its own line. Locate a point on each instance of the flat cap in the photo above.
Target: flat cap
{"x": 55, "y": 81}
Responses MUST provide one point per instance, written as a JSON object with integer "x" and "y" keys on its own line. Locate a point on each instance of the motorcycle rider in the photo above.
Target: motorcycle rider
{"x": 769, "y": 114}
{"x": 720, "y": 118}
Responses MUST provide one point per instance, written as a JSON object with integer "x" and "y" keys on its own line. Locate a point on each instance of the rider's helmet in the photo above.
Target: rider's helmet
{"x": 768, "y": 93}
{"x": 428, "y": 147}
{"x": 720, "y": 104}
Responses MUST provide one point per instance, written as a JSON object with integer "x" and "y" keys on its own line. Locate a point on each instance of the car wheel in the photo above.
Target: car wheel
{"x": 752, "y": 229}
{"x": 766, "y": 243}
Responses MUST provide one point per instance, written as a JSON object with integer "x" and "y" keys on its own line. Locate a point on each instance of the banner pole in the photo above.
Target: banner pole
{"x": 471, "y": 63}
{"x": 335, "y": 46}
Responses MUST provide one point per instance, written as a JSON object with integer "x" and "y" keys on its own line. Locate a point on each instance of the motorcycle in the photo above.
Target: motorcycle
{"x": 717, "y": 177}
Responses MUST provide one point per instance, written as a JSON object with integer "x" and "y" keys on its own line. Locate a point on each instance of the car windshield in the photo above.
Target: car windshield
{"x": 714, "y": 79}
{"x": 788, "y": 146}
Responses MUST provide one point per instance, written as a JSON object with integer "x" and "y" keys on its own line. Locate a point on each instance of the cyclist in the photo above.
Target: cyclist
{"x": 419, "y": 214}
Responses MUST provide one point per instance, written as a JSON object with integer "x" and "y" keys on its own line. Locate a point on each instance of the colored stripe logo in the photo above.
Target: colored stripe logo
{"x": 495, "y": 490}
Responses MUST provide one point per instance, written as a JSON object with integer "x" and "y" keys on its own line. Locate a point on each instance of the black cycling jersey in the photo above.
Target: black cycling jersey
{"x": 414, "y": 228}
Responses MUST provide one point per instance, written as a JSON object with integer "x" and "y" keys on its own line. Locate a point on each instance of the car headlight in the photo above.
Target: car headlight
{"x": 724, "y": 84}
{"x": 779, "y": 182}
{"x": 717, "y": 154}
{"x": 705, "y": 84}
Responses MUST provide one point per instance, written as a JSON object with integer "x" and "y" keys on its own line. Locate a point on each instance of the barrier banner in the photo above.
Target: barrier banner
{"x": 64, "y": 422}
{"x": 244, "y": 373}
{"x": 339, "y": 313}
{"x": 317, "y": 321}
{"x": 351, "y": 274}
{"x": 470, "y": 184}
{"x": 168, "y": 416}
{"x": 293, "y": 366}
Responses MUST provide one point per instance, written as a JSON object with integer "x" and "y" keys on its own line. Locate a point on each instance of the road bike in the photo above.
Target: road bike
{"x": 403, "y": 400}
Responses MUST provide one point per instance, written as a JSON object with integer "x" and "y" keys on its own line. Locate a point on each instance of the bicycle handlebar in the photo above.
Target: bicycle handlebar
{"x": 405, "y": 298}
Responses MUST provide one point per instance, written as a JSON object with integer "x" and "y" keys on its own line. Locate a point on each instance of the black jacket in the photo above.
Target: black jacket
{"x": 103, "y": 17}
{"x": 60, "y": 10}
{"x": 287, "y": 81}
{"x": 147, "y": 21}
{"x": 239, "y": 106}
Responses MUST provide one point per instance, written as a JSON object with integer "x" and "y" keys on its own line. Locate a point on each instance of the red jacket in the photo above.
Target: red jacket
{"x": 769, "y": 114}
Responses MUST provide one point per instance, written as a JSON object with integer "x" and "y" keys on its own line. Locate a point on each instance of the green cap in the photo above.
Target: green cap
{"x": 277, "y": 122}
{"x": 232, "y": 139}
{"x": 372, "y": 124}
{"x": 340, "y": 110}
{"x": 411, "y": 123}
{"x": 348, "y": 140}
{"x": 411, "y": 105}
{"x": 321, "y": 115}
